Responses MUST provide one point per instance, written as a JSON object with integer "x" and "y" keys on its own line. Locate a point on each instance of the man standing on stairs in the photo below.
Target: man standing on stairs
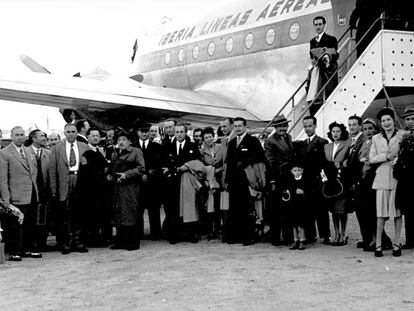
{"x": 324, "y": 56}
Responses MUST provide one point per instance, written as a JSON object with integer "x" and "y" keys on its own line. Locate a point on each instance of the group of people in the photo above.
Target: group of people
{"x": 227, "y": 187}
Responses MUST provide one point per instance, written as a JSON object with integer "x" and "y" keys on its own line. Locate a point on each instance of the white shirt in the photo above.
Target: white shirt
{"x": 144, "y": 142}
{"x": 83, "y": 136}
{"x": 178, "y": 145}
{"x": 319, "y": 36}
{"x": 18, "y": 149}
{"x": 309, "y": 139}
{"x": 75, "y": 148}
{"x": 240, "y": 138}
{"x": 36, "y": 151}
{"x": 355, "y": 138}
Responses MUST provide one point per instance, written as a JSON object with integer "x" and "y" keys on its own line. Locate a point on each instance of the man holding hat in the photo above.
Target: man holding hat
{"x": 279, "y": 152}
{"x": 404, "y": 172}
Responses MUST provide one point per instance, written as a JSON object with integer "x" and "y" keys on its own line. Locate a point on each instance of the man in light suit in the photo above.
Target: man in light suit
{"x": 64, "y": 166}
{"x": 18, "y": 187}
{"x": 37, "y": 151}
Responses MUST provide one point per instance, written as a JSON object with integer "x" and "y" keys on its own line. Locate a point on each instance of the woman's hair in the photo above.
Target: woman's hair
{"x": 344, "y": 132}
{"x": 371, "y": 121}
{"x": 386, "y": 111}
{"x": 207, "y": 130}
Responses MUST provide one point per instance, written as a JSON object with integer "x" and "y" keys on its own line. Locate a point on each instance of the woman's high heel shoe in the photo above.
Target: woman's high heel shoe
{"x": 378, "y": 251}
{"x": 397, "y": 252}
{"x": 344, "y": 242}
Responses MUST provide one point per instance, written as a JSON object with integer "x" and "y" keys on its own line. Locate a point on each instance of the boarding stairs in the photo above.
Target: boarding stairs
{"x": 382, "y": 76}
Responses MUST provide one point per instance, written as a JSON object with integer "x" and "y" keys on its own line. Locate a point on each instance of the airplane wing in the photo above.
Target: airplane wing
{"x": 121, "y": 102}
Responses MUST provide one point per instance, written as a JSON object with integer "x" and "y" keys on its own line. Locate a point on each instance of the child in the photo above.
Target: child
{"x": 295, "y": 195}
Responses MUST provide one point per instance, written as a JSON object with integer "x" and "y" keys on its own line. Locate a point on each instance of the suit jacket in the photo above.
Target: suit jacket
{"x": 384, "y": 178}
{"x": 313, "y": 156}
{"x": 279, "y": 153}
{"x": 153, "y": 157}
{"x": 326, "y": 41}
{"x": 190, "y": 152}
{"x": 248, "y": 152}
{"x": 17, "y": 176}
{"x": 59, "y": 169}
{"x": 353, "y": 163}
{"x": 332, "y": 163}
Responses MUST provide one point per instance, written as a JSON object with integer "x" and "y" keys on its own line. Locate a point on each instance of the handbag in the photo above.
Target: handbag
{"x": 332, "y": 188}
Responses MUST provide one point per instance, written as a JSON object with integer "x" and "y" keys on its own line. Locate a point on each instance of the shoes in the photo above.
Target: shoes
{"x": 310, "y": 241}
{"x": 31, "y": 255}
{"x": 396, "y": 252}
{"x": 378, "y": 251}
{"x": 407, "y": 246}
{"x": 334, "y": 243}
{"x": 301, "y": 246}
{"x": 277, "y": 243}
{"x": 132, "y": 247}
{"x": 81, "y": 249}
{"x": 326, "y": 241}
{"x": 369, "y": 248}
{"x": 248, "y": 242}
{"x": 117, "y": 246}
{"x": 15, "y": 258}
{"x": 193, "y": 239}
{"x": 360, "y": 244}
{"x": 173, "y": 241}
{"x": 295, "y": 246}
{"x": 65, "y": 250}
{"x": 344, "y": 242}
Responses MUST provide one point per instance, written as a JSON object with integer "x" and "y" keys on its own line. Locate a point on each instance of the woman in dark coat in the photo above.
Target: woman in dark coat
{"x": 128, "y": 166}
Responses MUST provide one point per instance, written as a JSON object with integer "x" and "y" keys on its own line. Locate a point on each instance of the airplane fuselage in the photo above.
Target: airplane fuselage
{"x": 253, "y": 54}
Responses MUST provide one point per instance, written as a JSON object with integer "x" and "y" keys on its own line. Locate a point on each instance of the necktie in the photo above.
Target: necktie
{"x": 38, "y": 154}
{"x": 308, "y": 141}
{"x": 180, "y": 148}
{"x": 72, "y": 156}
{"x": 22, "y": 153}
{"x": 238, "y": 140}
{"x": 143, "y": 146}
{"x": 39, "y": 177}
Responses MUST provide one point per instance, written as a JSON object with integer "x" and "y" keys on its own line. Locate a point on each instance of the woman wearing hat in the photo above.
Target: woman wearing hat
{"x": 383, "y": 152}
{"x": 127, "y": 169}
{"x": 336, "y": 153}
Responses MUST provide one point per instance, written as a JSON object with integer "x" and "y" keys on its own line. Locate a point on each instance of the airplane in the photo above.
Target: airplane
{"x": 244, "y": 59}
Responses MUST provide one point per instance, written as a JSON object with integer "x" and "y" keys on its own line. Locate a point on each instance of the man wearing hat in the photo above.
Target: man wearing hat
{"x": 152, "y": 180}
{"x": 279, "y": 152}
{"x": 404, "y": 172}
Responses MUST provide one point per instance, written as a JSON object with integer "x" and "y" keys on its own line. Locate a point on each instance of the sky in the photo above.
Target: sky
{"x": 70, "y": 36}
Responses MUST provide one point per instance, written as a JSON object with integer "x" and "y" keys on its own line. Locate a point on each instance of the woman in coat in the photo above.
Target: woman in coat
{"x": 212, "y": 158}
{"x": 383, "y": 152}
{"x": 335, "y": 154}
{"x": 127, "y": 169}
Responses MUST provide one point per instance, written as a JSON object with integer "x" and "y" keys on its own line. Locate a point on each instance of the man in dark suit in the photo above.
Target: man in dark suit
{"x": 82, "y": 126}
{"x": 327, "y": 63}
{"x": 152, "y": 180}
{"x": 18, "y": 186}
{"x": 167, "y": 140}
{"x": 243, "y": 150}
{"x": 313, "y": 157}
{"x": 279, "y": 152}
{"x": 64, "y": 166}
{"x": 41, "y": 155}
{"x": 178, "y": 153}
{"x": 353, "y": 178}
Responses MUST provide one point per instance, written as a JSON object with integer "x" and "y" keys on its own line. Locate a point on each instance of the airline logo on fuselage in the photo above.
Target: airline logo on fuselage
{"x": 280, "y": 8}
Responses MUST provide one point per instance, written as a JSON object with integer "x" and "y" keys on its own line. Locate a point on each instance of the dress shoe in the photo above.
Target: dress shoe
{"x": 15, "y": 258}
{"x": 326, "y": 241}
{"x": 369, "y": 248}
{"x": 295, "y": 246}
{"x": 360, "y": 244}
{"x": 378, "y": 252}
{"x": 35, "y": 255}
{"x": 248, "y": 242}
{"x": 117, "y": 246}
{"x": 407, "y": 246}
{"x": 80, "y": 249}
{"x": 132, "y": 247}
{"x": 65, "y": 250}
{"x": 301, "y": 246}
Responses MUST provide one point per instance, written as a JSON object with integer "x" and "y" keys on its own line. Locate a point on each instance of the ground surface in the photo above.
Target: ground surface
{"x": 212, "y": 276}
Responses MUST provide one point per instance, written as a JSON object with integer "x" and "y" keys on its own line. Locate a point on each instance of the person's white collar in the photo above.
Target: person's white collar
{"x": 355, "y": 138}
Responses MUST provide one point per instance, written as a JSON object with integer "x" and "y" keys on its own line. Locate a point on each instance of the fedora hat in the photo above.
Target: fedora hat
{"x": 279, "y": 120}
{"x": 408, "y": 111}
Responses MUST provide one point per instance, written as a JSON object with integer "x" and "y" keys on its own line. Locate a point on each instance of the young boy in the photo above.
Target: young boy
{"x": 295, "y": 195}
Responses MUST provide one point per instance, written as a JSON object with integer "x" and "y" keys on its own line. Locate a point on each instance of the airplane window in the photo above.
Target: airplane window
{"x": 249, "y": 40}
{"x": 294, "y": 31}
{"x": 167, "y": 58}
{"x": 229, "y": 45}
{"x": 196, "y": 50}
{"x": 270, "y": 36}
{"x": 181, "y": 55}
{"x": 211, "y": 48}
